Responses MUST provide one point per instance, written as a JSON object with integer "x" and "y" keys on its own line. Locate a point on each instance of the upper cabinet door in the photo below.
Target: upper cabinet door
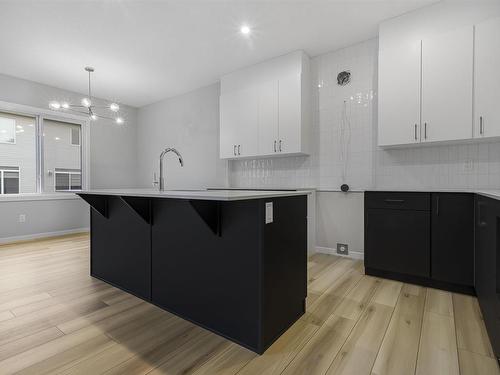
{"x": 399, "y": 94}
{"x": 239, "y": 116}
{"x": 290, "y": 114}
{"x": 447, "y": 74}
{"x": 487, "y": 79}
{"x": 268, "y": 118}
{"x": 228, "y": 120}
{"x": 248, "y": 119}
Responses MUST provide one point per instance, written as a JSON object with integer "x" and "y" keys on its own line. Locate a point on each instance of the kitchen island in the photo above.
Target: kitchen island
{"x": 233, "y": 262}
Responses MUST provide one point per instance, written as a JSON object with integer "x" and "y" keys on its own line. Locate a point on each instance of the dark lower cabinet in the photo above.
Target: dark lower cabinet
{"x": 487, "y": 258}
{"x": 452, "y": 255}
{"x": 424, "y": 238}
{"x": 398, "y": 241}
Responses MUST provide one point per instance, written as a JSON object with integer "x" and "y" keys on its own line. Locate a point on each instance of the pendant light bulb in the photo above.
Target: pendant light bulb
{"x": 55, "y": 105}
{"x": 86, "y": 102}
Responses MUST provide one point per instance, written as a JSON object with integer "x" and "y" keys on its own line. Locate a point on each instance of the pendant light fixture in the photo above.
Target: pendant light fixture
{"x": 86, "y": 106}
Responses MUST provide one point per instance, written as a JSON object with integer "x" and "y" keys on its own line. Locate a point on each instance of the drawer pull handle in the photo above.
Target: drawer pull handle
{"x": 394, "y": 200}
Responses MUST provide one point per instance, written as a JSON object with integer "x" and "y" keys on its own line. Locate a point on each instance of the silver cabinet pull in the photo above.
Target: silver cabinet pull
{"x": 280, "y": 145}
{"x": 234, "y": 150}
{"x": 481, "y": 125}
{"x": 239, "y": 149}
{"x": 274, "y": 145}
{"x": 416, "y": 132}
{"x": 425, "y": 130}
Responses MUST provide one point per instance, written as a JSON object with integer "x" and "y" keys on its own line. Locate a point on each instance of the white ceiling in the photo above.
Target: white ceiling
{"x": 145, "y": 51}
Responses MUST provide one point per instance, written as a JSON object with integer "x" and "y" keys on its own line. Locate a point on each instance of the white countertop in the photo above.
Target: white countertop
{"x": 216, "y": 195}
{"x": 495, "y": 194}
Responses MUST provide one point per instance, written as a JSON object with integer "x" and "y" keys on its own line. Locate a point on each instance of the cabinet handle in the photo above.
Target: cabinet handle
{"x": 415, "y": 131}
{"x": 274, "y": 145}
{"x": 280, "y": 145}
{"x": 394, "y": 200}
{"x": 239, "y": 149}
{"x": 481, "y": 125}
{"x": 234, "y": 150}
{"x": 425, "y": 130}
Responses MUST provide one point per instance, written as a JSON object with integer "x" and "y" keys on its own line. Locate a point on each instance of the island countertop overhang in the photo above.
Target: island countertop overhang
{"x": 213, "y": 195}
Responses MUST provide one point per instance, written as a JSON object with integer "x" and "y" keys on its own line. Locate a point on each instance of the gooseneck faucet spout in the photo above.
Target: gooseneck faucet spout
{"x": 167, "y": 150}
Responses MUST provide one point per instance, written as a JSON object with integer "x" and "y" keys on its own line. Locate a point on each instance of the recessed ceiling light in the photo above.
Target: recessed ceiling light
{"x": 119, "y": 120}
{"x": 245, "y": 30}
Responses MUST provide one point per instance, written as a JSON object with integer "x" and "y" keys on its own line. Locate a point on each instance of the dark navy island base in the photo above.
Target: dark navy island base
{"x": 214, "y": 263}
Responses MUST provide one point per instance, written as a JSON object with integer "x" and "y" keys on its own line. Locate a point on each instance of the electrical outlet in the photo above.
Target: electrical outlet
{"x": 269, "y": 212}
{"x": 343, "y": 248}
{"x": 22, "y": 218}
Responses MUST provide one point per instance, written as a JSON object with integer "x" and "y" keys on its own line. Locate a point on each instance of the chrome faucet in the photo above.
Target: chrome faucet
{"x": 161, "y": 183}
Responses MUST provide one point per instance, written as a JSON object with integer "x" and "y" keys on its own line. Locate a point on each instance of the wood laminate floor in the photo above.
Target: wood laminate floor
{"x": 56, "y": 319}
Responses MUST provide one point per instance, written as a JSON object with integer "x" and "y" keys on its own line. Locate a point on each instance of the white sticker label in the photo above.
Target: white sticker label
{"x": 269, "y": 212}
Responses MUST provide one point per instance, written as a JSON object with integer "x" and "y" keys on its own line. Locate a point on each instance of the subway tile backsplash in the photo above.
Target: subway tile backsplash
{"x": 448, "y": 166}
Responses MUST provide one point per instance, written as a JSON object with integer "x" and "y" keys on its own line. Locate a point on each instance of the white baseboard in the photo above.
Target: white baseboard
{"x": 35, "y": 236}
{"x": 352, "y": 254}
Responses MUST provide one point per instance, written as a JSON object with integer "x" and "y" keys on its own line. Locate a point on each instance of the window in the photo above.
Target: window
{"x": 75, "y": 136}
{"x": 62, "y": 156}
{"x": 39, "y": 154}
{"x": 9, "y": 180}
{"x": 7, "y": 130}
{"x": 21, "y": 153}
{"x": 67, "y": 180}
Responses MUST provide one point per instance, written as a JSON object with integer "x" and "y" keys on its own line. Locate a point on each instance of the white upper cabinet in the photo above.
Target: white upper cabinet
{"x": 265, "y": 110}
{"x": 399, "y": 94}
{"x": 426, "y": 88}
{"x": 238, "y": 113}
{"x": 289, "y": 103}
{"x": 487, "y": 79}
{"x": 268, "y": 118}
{"x": 447, "y": 75}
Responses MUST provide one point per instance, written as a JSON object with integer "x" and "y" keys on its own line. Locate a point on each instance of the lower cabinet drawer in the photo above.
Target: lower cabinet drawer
{"x": 398, "y": 241}
{"x": 398, "y": 200}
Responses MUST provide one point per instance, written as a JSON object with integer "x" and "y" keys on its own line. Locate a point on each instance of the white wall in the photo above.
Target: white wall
{"x": 112, "y": 163}
{"x": 189, "y": 123}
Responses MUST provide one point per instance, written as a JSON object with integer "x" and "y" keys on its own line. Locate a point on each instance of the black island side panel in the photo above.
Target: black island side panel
{"x": 284, "y": 282}
{"x": 209, "y": 279}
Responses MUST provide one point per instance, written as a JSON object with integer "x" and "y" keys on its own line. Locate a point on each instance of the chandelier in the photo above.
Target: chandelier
{"x": 86, "y": 106}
